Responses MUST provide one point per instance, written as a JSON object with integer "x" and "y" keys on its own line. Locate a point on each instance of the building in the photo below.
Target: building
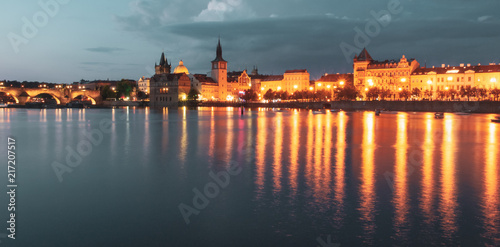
{"x": 455, "y": 78}
{"x": 169, "y": 89}
{"x": 407, "y": 74}
{"x": 290, "y": 81}
{"x": 219, "y": 75}
{"x": 333, "y": 81}
{"x": 389, "y": 74}
{"x": 143, "y": 84}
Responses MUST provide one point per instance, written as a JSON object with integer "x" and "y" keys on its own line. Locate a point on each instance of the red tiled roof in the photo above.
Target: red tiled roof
{"x": 273, "y": 78}
{"x": 204, "y": 78}
{"x": 296, "y": 71}
{"x": 336, "y": 77}
{"x": 441, "y": 70}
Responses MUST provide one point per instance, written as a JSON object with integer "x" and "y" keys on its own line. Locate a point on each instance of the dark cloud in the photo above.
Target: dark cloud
{"x": 440, "y": 32}
{"x": 105, "y": 49}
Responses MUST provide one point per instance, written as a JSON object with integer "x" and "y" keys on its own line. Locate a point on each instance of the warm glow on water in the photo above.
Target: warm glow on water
{"x": 367, "y": 189}
{"x": 403, "y": 179}
{"x": 491, "y": 199}
{"x": 448, "y": 194}
{"x": 427, "y": 194}
{"x": 400, "y": 199}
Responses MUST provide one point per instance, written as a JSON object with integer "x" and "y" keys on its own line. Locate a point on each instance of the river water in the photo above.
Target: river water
{"x": 214, "y": 177}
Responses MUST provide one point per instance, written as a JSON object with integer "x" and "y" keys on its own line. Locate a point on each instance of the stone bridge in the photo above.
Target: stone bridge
{"x": 61, "y": 95}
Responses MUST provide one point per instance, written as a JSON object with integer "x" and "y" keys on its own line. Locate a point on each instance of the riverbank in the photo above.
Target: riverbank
{"x": 411, "y": 106}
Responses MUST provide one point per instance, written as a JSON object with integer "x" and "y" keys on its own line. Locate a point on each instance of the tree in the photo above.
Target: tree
{"x": 416, "y": 92}
{"x": 193, "y": 95}
{"x": 467, "y": 91}
{"x": 142, "y": 95}
{"x": 452, "y": 93}
{"x": 441, "y": 94}
{"x": 321, "y": 94}
{"x": 270, "y": 95}
{"x": 124, "y": 88}
{"x": 482, "y": 93}
{"x": 495, "y": 92}
{"x": 250, "y": 95}
{"x": 385, "y": 93}
{"x": 404, "y": 94}
{"x": 373, "y": 93}
{"x": 428, "y": 93}
{"x": 107, "y": 93}
{"x": 347, "y": 93}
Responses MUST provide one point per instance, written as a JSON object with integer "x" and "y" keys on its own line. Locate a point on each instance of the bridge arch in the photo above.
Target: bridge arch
{"x": 8, "y": 94}
{"x": 94, "y": 102}
{"x": 48, "y": 93}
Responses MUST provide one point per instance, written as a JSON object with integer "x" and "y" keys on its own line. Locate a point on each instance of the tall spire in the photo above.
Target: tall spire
{"x": 364, "y": 56}
{"x": 219, "y": 53}
{"x": 162, "y": 59}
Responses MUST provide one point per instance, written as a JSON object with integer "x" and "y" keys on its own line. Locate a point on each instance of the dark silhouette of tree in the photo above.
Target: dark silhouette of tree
{"x": 250, "y": 95}
{"x": 270, "y": 95}
{"x": 495, "y": 92}
{"x": 107, "y": 93}
{"x": 416, "y": 92}
{"x": 193, "y": 95}
{"x": 347, "y": 93}
{"x": 373, "y": 93}
{"x": 404, "y": 94}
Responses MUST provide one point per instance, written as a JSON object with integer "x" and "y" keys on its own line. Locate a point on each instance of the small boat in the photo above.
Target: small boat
{"x": 278, "y": 110}
{"x": 319, "y": 112}
{"x": 496, "y": 119}
{"x": 3, "y": 105}
{"x": 377, "y": 112}
{"x": 439, "y": 115}
{"x": 335, "y": 110}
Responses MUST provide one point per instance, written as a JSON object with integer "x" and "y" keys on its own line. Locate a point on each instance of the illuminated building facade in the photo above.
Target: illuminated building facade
{"x": 333, "y": 81}
{"x": 389, "y": 74}
{"x": 291, "y": 81}
{"x": 446, "y": 77}
{"x": 143, "y": 83}
{"x": 168, "y": 89}
{"x": 407, "y": 74}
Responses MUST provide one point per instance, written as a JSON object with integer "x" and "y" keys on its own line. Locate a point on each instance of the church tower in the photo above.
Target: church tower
{"x": 219, "y": 73}
{"x": 164, "y": 67}
{"x": 361, "y": 63}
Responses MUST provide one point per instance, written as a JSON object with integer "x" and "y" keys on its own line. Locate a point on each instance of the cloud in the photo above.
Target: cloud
{"x": 105, "y": 49}
{"x": 224, "y": 9}
{"x": 312, "y": 41}
{"x": 484, "y": 18}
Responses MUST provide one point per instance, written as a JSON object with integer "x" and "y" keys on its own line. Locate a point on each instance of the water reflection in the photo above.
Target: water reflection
{"x": 339, "y": 184}
{"x": 183, "y": 139}
{"x": 260, "y": 161}
{"x": 400, "y": 199}
{"x": 294, "y": 155}
{"x": 490, "y": 198}
{"x": 448, "y": 199}
{"x": 367, "y": 190}
{"x": 427, "y": 194}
